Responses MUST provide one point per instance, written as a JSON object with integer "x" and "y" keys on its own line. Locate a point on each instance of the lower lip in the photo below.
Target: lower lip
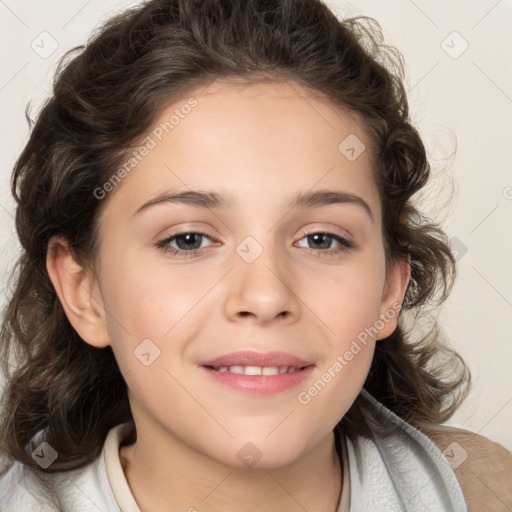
{"x": 260, "y": 384}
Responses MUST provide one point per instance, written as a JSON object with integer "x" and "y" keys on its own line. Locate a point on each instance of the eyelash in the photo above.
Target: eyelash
{"x": 163, "y": 245}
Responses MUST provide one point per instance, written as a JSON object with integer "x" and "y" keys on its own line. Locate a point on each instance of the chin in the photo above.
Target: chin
{"x": 265, "y": 455}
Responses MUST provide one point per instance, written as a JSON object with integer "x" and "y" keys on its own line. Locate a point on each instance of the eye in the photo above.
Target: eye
{"x": 187, "y": 243}
{"x": 325, "y": 239}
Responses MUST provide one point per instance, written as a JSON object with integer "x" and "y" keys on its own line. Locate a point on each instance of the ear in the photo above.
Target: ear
{"x": 79, "y": 293}
{"x": 393, "y": 296}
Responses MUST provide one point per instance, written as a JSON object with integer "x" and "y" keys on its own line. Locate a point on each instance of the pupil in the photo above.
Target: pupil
{"x": 320, "y": 235}
{"x": 188, "y": 238}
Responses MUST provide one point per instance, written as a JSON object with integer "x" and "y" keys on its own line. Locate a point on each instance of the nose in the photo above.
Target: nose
{"x": 262, "y": 291}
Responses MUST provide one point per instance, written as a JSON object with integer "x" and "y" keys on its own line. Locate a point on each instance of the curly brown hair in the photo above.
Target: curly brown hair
{"x": 104, "y": 100}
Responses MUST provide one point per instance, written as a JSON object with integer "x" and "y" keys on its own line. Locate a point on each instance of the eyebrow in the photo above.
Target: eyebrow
{"x": 211, "y": 199}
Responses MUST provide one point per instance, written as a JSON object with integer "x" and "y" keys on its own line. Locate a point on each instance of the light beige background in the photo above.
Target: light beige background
{"x": 460, "y": 98}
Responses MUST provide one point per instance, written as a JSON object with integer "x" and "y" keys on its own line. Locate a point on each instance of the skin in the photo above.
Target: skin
{"x": 262, "y": 143}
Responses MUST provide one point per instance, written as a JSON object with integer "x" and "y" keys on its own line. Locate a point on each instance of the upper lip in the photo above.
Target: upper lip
{"x": 253, "y": 358}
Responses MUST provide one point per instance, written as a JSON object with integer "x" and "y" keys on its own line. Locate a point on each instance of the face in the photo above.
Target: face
{"x": 254, "y": 273}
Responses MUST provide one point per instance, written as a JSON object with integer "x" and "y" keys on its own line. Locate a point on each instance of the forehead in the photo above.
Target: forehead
{"x": 252, "y": 139}
{"x": 263, "y": 108}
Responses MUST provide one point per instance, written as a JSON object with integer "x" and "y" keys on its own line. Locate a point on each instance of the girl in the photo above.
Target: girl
{"x": 220, "y": 252}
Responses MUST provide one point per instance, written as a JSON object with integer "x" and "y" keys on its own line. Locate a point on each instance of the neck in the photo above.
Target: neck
{"x": 163, "y": 472}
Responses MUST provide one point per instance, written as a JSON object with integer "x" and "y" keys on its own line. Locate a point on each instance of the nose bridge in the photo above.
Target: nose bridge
{"x": 260, "y": 263}
{"x": 260, "y": 281}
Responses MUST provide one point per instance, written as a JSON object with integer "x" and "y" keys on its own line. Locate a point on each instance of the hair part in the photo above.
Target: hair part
{"x": 106, "y": 96}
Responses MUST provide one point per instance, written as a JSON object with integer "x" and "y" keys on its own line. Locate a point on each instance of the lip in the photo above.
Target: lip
{"x": 254, "y": 358}
{"x": 258, "y": 384}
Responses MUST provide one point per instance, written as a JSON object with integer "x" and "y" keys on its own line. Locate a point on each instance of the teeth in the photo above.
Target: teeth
{"x": 253, "y": 370}
{"x": 257, "y": 370}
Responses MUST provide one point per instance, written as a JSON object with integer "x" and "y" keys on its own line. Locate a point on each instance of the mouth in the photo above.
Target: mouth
{"x": 275, "y": 362}
{"x": 257, "y": 370}
{"x": 258, "y": 373}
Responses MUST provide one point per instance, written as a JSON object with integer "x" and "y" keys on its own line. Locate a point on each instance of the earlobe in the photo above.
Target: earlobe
{"x": 78, "y": 293}
{"x": 393, "y": 296}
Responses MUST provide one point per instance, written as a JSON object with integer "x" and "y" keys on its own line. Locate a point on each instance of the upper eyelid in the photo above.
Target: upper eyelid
{"x": 327, "y": 231}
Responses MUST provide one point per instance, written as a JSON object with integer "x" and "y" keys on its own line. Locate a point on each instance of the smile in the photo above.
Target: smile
{"x": 259, "y": 380}
{"x": 256, "y": 370}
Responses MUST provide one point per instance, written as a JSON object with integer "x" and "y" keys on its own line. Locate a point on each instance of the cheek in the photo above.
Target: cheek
{"x": 155, "y": 312}
{"x": 353, "y": 299}
{"x": 150, "y": 300}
